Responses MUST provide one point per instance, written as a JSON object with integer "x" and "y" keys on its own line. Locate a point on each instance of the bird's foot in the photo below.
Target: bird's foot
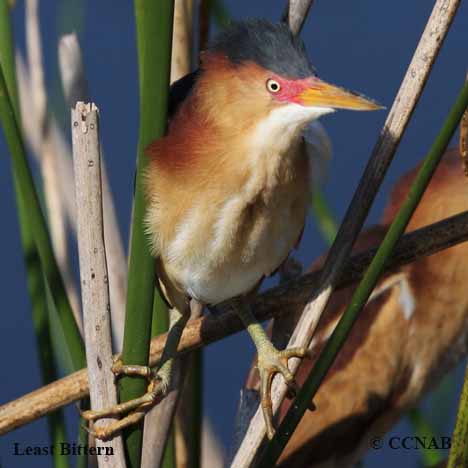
{"x": 132, "y": 410}
{"x": 111, "y": 430}
{"x": 270, "y": 362}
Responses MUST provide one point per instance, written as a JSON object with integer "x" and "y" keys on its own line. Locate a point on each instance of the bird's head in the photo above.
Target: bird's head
{"x": 262, "y": 66}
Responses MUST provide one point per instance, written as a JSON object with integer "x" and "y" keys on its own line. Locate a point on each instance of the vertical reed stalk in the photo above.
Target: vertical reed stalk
{"x": 154, "y": 38}
{"x": 75, "y": 88}
{"x": 93, "y": 271}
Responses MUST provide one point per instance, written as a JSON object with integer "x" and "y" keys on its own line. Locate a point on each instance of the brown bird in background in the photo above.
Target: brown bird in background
{"x": 410, "y": 334}
{"x": 228, "y": 188}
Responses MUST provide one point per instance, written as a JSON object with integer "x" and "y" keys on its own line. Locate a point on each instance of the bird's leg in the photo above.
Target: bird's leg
{"x": 159, "y": 383}
{"x": 270, "y": 362}
{"x": 177, "y": 324}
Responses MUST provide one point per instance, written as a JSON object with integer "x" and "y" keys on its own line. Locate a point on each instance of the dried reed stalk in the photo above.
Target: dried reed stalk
{"x": 93, "y": 272}
{"x": 297, "y": 13}
{"x": 76, "y": 89}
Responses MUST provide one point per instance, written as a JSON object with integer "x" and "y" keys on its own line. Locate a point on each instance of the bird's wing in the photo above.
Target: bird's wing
{"x": 401, "y": 345}
{"x": 179, "y": 91}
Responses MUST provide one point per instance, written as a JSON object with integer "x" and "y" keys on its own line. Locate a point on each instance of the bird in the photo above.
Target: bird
{"x": 228, "y": 187}
{"x": 407, "y": 338}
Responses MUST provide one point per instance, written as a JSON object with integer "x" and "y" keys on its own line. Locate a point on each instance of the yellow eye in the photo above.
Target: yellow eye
{"x": 273, "y": 86}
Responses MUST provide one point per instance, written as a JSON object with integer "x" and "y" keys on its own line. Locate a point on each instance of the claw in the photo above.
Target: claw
{"x": 271, "y": 362}
{"x": 134, "y": 410}
{"x": 110, "y": 431}
{"x": 104, "y": 432}
{"x": 116, "y": 357}
{"x": 97, "y": 432}
{"x": 117, "y": 364}
{"x": 119, "y": 368}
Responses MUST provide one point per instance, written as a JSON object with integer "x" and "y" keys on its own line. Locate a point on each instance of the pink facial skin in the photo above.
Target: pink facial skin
{"x": 292, "y": 89}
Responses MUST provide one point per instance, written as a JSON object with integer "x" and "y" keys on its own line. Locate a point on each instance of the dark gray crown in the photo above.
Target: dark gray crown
{"x": 270, "y": 45}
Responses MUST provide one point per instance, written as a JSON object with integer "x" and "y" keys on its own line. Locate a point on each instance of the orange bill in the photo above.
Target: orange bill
{"x": 322, "y": 94}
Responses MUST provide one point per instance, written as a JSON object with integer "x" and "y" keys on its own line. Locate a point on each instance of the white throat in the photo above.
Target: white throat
{"x": 273, "y": 144}
{"x": 284, "y": 124}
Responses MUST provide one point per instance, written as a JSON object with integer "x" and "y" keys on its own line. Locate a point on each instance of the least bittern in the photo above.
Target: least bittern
{"x": 228, "y": 187}
{"x": 409, "y": 335}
